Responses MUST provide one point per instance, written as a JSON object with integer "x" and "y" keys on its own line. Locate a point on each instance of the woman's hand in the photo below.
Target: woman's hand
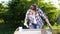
{"x": 48, "y": 23}
{"x": 26, "y": 25}
{"x": 50, "y": 27}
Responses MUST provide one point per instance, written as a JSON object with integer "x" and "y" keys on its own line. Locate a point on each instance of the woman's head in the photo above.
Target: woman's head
{"x": 33, "y": 7}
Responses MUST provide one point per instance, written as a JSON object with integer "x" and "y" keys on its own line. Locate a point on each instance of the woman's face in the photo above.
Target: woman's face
{"x": 33, "y": 11}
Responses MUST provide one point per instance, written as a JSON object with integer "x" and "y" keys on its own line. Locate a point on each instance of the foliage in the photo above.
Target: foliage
{"x": 13, "y": 16}
{"x": 16, "y": 10}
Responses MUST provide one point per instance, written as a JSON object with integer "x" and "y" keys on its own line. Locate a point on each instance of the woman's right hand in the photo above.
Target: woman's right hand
{"x": 26, "y": 25}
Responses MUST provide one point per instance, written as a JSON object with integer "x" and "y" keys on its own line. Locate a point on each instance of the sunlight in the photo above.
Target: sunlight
{"x": 55, "y": 2}
{"x": 29, "y": 0}
{"x": 46, "y": 1}
{"x": 4, "y": 1}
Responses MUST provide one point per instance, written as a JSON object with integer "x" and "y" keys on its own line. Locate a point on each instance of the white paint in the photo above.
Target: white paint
{"x": 32, "y": 31}
{"x": 48, "y": 32}
{"x": 20, "y": 29}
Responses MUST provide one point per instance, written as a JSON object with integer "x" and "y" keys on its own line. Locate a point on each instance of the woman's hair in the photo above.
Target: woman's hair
{"x": 33, "y": 7}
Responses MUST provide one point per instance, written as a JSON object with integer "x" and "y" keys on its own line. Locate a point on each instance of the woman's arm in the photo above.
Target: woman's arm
{"x": 48, "y": 23}
{"x": 45, "y": 17}
{"x": 26, "y": 19}
{"x": 25, "y": 23}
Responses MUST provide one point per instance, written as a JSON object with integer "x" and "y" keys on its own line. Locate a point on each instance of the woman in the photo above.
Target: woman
{"x": 34, "y": 15}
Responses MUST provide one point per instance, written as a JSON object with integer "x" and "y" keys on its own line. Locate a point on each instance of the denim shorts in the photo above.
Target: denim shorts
{"x": 35, "y": 26}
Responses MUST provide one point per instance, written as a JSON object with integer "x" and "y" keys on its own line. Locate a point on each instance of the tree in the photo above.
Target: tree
{"x": 3, "y": 11}
{"x": 51, "y": 11}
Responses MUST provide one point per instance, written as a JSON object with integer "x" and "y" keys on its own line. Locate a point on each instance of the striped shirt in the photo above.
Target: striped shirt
{"x": 36, "y": 18}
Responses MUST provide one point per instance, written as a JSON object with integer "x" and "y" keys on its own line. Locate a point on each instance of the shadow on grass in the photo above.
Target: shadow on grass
{"x": 7, "y": 28}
